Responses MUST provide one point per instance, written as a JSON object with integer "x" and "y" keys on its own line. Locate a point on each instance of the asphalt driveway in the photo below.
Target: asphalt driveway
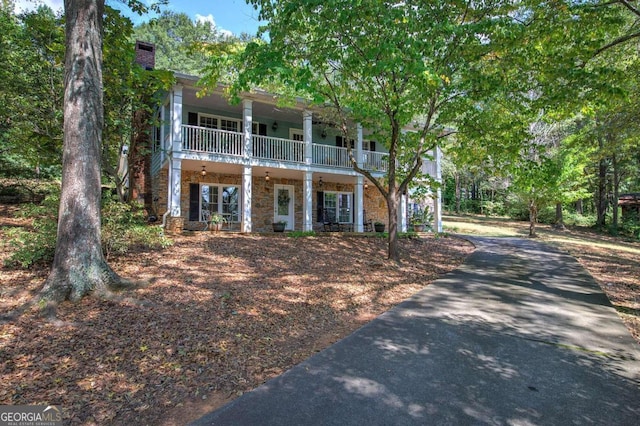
{"x": 520, "y": 334}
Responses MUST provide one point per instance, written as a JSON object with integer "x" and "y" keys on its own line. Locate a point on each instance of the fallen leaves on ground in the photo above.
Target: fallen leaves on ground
{"x": 220, "y": 315}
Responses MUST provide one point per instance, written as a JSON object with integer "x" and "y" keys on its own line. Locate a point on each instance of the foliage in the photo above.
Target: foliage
{"x": 31, "y": 80}
{"x": 217, "y": 218}
{"x": 421, "y": 217}
{"x": 37, "y": 245}
{"x": 301, "y": 234}
{"x": 123, "y": 228}
{"x": 179, "y": 41}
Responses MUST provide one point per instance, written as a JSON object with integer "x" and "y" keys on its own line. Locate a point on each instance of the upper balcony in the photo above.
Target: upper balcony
{"x": 196, "y": 139}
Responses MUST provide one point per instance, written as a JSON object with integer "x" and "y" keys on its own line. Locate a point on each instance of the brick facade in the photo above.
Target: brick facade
{"x": 263, "y": 199}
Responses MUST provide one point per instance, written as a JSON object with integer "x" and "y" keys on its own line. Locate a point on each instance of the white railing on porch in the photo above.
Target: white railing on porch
{"x": 202, "y": 139}
{"x": 270, "y": 148}
{"x": 377, "y": 161}
{"x": 327, "y": 155}
{"x": 214, "y": 141}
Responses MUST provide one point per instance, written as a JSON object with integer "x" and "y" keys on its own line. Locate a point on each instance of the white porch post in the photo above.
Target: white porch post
{"x": 359, "y": 190}
{"x": 307, "y": 130}
{"x": 247, "y": 172}
{"x": 246, "y": 199}
{"x": 402, "y": 213}
{"x": 175, "y": 190}
{"x": 247, "y": 119}
{"x": 175, "y": 193}
{"x": 307, "y": 193}
{"x": 359, "y": 205}
{"x": 359, "y": 153}
{"x": 437, "y": 214}
{"x": 176, "y": 118}
{"x": 162, "y": 141}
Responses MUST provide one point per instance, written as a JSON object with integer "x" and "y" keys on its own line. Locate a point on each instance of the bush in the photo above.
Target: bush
{"x": 38, "y": 244}
{"x": 123, "y": 228}
{"x": 299, "y": 234}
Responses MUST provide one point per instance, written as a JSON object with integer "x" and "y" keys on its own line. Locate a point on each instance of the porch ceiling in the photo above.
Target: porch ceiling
{"x": 235, "y": 169}
{"x": 261, "y": 108}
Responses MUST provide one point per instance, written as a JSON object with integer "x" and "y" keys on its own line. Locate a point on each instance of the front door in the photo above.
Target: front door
{"x": 283, "y": 205}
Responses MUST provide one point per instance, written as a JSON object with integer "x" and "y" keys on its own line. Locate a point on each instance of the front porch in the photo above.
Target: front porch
{"x": 252, "y": 199}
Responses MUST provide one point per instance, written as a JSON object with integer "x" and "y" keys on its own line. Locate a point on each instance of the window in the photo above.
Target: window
{"x": 220, "y": 199}
{"x": 208, "y": 121}
{"x": 296, "y": 135}
{"x": 229, "y": 125}
{"x": 220, "y": 123}
{"x": 338, "y": 205}
{"x": 368, "y": 145}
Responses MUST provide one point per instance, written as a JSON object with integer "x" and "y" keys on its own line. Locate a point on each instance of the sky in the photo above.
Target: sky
{"x": 234, "y": 16}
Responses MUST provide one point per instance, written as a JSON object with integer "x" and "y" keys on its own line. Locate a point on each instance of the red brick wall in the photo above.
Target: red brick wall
{"x": 146, "y": 55}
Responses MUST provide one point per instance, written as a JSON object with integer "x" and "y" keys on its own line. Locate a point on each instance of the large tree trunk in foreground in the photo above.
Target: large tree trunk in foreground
{"x": 79, "y": 267}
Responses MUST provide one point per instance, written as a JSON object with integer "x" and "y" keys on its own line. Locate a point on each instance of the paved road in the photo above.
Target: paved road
{"x": 518, "y": 335}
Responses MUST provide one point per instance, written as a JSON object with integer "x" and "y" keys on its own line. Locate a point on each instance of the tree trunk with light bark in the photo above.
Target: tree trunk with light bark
{"x": 79, "y": 267}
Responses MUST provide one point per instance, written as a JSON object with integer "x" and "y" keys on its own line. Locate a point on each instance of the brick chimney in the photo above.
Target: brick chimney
{"x": 146, "y": 54}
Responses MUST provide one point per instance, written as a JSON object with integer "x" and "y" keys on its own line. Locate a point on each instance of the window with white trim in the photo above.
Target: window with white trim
{"x": 218, "y": 122}
{"x": 296, "y": 135}
{"x": 221, "y": 199}
{"x": 338, "y": 206}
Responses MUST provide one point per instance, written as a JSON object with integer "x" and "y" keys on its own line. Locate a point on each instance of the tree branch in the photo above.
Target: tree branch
{"x": 616, "y": 42}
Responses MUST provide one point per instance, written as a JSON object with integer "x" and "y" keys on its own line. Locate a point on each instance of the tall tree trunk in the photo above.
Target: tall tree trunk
{"x": 616, "y": 191}
{"x": 392, "y": 210}
{"x": 559, "y": 217}
{"x": 579, "y": 207}
{"x": 139, "y": 161}
{"x": 533, "y": 218}
{"x": 601, "y": 203}
{"x": 79, "y": 267}
{"x": 458, "y": 192}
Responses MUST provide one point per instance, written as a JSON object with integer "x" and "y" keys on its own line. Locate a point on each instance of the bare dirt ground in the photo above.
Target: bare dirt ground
{"x": 613, "y": 262}
{"x": 220, "y": 315}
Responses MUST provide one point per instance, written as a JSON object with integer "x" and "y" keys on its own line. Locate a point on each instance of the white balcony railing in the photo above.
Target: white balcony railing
{"x": 327, "y": 155}
{"x": 270, "y": 148}
{"x": 202, "y": 139}
{"x": 377, "y": 161}
{"x": 214, "y": 141}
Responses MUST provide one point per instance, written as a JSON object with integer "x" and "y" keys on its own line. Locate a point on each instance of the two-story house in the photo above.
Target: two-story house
{"x": 256, "y": 163}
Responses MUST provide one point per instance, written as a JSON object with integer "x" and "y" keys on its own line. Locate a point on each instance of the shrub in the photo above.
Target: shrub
{"x": 36, "y": 245}
{"x": 299, "y": 234}
{"x": 123, "y": 227}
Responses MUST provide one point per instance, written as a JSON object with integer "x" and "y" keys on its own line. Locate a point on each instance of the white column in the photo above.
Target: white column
{"x": 161, "y": 142}
{"x": 437, "y": 204}
{"x": 176, "y": 118}
{"x": 307, "y": 194}
{"x": 247, "y": 119}
{"x": 175, "y": 187}
{"x": 359, "y": 205}
{"x": 402, "y": 213}
{"x": 246, "y": 199}
{"x": 307, "y": 130}
{"x": 359, "y": 154}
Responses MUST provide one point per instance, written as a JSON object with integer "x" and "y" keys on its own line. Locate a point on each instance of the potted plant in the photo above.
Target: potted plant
{"x": 418, "y": 220}
{"x": 378, "y": 226}
{"x": 279, "y": 226}
{"x": 215, "y": 222}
